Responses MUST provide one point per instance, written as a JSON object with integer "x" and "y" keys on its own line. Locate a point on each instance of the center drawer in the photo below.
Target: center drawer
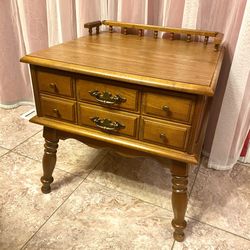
{"x": 108, "y": 95}
{"x": 116, "y": 122}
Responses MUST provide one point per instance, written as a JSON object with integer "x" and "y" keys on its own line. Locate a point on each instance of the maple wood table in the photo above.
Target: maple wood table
{"x": 136, "y": 92}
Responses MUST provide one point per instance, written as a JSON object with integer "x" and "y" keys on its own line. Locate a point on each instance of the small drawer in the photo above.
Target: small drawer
{"x": 55, "y": 83}
{"x": 115, "y": 122}
{"x": 107, "y": 95}
{"x": 165, "y": 133}
{"x": 58, "y": 108}
{"x": 170, "y": 106}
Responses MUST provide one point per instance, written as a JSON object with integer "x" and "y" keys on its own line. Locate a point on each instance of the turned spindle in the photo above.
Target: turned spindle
{"x": 171, "y": 36}
{"x": 206, "y": 40}
{"x": 125, "y": 31}
{"x": 97, "y": 30}
{"x": 155, "y": 34}
{"x": 92, "y": 25}
{"x": 188, "y": 38}
{"x": 49, "y": 158}
{"x": 216, "y": 47}
{"x": 140, "y": 32}
{"x": 179, "y": 198}
{"x": 90, "y": 31}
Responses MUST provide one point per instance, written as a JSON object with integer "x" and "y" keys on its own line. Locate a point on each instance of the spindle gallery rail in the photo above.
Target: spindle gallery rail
{"x": 173, "y": 32}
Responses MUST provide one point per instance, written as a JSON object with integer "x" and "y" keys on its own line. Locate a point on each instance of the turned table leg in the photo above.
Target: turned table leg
{"x": 49, "y": 158}
{"x": 179, "y": 172}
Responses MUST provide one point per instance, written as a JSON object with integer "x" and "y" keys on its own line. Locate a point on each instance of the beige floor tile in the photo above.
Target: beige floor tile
{"x": 23, "y": 207}
{"x": 13, "y": 129}
{"x": 3, "y": 151}
{"x": 143, "y": 178}
{"x": 72, "y": 156}
{"x": 222, "y": 199}
{"x": 204, "y": 237}
{"x": 95, "y": 217}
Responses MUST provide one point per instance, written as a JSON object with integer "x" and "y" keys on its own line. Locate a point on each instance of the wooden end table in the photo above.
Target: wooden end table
{"x": 142, "y": 95}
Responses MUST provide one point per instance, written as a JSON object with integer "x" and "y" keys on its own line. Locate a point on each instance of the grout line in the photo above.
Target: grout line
{"x": 191, "y": 189}
{"x": 87, "y": 174}
{"x": 21, "y": 154}
{"x": 83, "y": 180}
{"x": 172, "y": 248}
{"x": 93, "y": 181}
{"x": 25, "y": 140}
{"x": 103, "y": 185}
{"x": 26, "y": 243}
{"x": 217, "y": 228}
{"x": 4, "y": 147}
{"x": 96, "y": 165}
{"x": 5, "y": 153}
{"x": 245, "y": 164}
{"x": 40, "y": 161}
{"x": 221, "y": 229}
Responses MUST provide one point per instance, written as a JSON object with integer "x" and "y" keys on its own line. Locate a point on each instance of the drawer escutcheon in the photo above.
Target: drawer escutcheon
{"x": 107, "y": 124}
{"x": 107, "y": 98}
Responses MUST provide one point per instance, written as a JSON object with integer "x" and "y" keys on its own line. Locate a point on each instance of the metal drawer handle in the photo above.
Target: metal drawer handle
{"x": 56, "y": 112}
{"x": 107, "y": 124}
{"x": 165, "y": 108}
{"x": 163, "y": 137}
{"x": 107, "y": 98}
{"x": 53, "y": 86}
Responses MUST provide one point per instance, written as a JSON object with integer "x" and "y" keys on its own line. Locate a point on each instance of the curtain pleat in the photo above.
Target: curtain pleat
{"x": 175, "y": 13}
{"x": 229, "y": 22}
{"x": 190, "y": 14}
{"x": 14, "y": 82}
{"x": 234, "y": 120}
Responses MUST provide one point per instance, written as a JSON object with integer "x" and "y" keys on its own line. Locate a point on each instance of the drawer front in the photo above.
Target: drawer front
{"x": 55, "y": 83}
{"x": 107, "y": 95}
{"x": 115, "y": 122}
{"x": 164, "y": 133}
{"x": 58, "y": 108}
{"x": 169, "y": 106}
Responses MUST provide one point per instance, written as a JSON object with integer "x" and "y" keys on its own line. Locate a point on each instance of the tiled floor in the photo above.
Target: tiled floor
{"x": 101, "y": 200}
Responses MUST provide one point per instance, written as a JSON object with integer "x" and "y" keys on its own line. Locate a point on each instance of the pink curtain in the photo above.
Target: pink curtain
{"x": 31, "y": 25}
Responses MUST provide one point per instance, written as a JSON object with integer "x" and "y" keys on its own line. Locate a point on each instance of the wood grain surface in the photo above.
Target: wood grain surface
{"x": 58, "y": 108}
{"x": 55, "y": 83}
{"x": 177, "y": 65}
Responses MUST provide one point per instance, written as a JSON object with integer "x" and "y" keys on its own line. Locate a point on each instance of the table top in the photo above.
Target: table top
{"x": 177, "y": 65}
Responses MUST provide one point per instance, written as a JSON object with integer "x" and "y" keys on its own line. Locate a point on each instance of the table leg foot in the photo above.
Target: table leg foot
{"x": 179, "y": 231}
{"x": 179, "y": 198}
{"x": 46, "y": 185}
{"x": 49, "y": 158}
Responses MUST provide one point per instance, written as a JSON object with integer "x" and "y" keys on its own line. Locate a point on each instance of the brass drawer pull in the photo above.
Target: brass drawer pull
{"x": 107, "y": 124}
{"x": 53, "y": 86}
{"x": 107, "y": 98}
{"x": 56, "y": 112}
{"x": 163, "y": 137}
{"x": 165, "y": 108}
